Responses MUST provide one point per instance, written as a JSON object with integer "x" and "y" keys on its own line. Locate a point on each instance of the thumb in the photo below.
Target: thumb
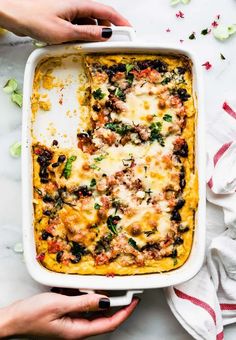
{"x": 86, "y": 32}
{"x": 86, "y": 303}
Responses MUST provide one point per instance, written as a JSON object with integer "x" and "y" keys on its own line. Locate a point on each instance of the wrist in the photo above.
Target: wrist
{"x": 6, "y": 322}
{"x": 6, "y": 15}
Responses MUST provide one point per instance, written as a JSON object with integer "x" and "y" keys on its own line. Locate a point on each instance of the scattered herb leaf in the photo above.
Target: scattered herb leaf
{"x": 68, "y": 167}
{"x": 205, "y": 31}
{"x": 167, "y": 118}
{"x": 176, "y": 2}
{"x": 129, "y": 67}
{"x": 222, "y": 56}
{"x": 17, "y": 98}
{"x": 93, "y": 182}
{"x": 119, "y": 93}
{"x": 97, "y": 206}
{"x": 119, "y": 128}
{"x": 192, "y": 36}
{"x": 166, "y": 81}
{"x": 99, "y": 158}
{"x": 222, "y": 32}
{"x": 15, "y": 149}
{"x": 155, "y": 133}
{"x": 98, "y": 94}
{"x": 112, "y": 223}
{"x": 133, "y": 243}
{"x": 94, "y": 167}
{"x": 10, "y": 86}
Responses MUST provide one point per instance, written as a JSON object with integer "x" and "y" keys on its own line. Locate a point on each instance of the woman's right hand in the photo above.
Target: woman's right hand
{"x": 56, "y": 316}
{"x": 59, "y": 21}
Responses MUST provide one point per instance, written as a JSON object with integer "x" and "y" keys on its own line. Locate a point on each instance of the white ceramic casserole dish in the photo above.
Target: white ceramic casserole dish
{"x": 92, "y": 282}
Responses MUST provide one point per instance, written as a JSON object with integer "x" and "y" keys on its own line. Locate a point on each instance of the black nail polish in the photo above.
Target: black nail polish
{"x": 104, "y": 303}
{"x": 106, "y": 32}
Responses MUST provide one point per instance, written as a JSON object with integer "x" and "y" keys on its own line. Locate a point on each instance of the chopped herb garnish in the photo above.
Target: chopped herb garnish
{"x": 205, "y": 31}
{"x": 130, "y": 78}
{"x": 112, "y": 223}
{"x": 94, "y": 167}
{"x": 222, "y": 56}
{"x": 68, "y": 167}
{"x": 39, "y": 192}
{"x": 97, "y": 206}
{"x": 192, "y": 36}
{"x": 98, "y": 94}
{"x": 99, "y": 158}
{"x": 166, "y": 81}
{"x": 155, "y": 133}
{"x": 93, "y": 182}
{"x": 129, "y": 67}
{"x": 116, "y": 205}
{"x": 167, "y": 118}
{"x": 149, "y": 232}
{"x": 175, "y": 261}
{"x": 119, "y": 93}
{"x": 133, "y": 243}
{"x": 119, "y": 128}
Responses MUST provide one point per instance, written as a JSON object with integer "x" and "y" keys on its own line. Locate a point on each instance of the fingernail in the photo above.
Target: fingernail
{"x": 104, "y": 303}
{"x": 106, "y": 32}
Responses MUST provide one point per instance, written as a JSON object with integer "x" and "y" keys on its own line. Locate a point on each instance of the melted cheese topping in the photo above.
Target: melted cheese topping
{"x": 123, "y": 201}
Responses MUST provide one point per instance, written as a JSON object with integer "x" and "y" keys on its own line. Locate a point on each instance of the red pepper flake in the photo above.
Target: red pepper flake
{"x": 218, "y": 16}
{"x": 207, "y": 65}
{"x": 180, "y": 15}
{"x": 40, "y": 257}
{"x": 37, "y": 151}
{"x": 214, "y": 24}
{"x": 167, "y": 30}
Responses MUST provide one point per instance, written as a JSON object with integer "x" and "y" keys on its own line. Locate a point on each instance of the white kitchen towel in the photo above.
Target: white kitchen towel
{"x": 204, "y": 304}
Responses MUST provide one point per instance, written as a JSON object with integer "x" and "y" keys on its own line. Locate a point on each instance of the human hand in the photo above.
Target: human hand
{"x": 56, "y": 316}
{"x": 53, "y": 21}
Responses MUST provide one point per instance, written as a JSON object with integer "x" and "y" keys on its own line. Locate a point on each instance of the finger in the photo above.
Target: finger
{"x": 86, "y": 303}
{"x": 84, "y": 32}
{"x": 105, "y": 324}
{"x": 104, "y": 23}
{"x": 99, "y": 11}
{"x": 84, "y": 21}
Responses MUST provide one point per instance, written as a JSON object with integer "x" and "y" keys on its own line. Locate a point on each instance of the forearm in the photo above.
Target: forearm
{"x": 7, "y": 323}
{"x": 6, "y": 14}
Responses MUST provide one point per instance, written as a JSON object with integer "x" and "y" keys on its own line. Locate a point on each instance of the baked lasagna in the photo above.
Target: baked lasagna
{"x": 123, "y": 200}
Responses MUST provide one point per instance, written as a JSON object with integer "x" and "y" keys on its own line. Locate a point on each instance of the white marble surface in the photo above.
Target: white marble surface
{"x": 151, "y": 18}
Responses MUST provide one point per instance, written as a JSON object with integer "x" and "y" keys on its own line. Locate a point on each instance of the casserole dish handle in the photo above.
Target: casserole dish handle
{"x": 117, "y": 301}
{"x": 122, "y": 33}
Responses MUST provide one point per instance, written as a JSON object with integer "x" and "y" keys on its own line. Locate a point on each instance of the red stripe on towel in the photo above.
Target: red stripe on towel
{"x": 210, "y": 183}
{"x": 197, "y": 302}
{"x": 220, "y": 152}
{"x": 228, "y": 306}
{"x": 217, "y": 157}
{"x": 229, "y": 110}
{"x": 220, "y": 336}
